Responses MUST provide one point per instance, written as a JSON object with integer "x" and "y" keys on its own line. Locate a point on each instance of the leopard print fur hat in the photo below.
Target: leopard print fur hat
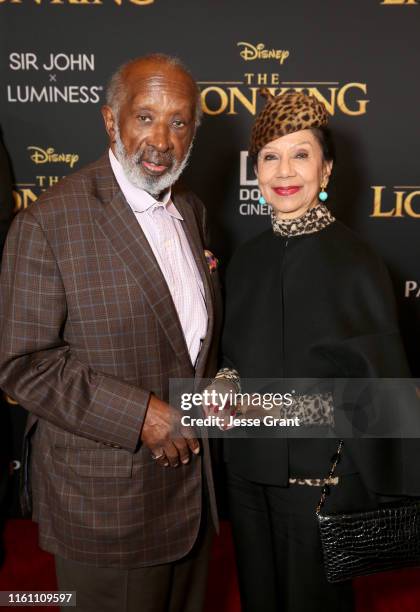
{"x": 283, "y": 115}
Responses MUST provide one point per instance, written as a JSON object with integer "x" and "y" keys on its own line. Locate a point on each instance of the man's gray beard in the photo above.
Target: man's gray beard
{"x": 133, "y": 170}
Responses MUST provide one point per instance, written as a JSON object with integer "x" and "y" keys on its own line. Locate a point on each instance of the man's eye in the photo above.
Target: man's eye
{"x": 144, "y": 118}
{"x": 178, "y": 123}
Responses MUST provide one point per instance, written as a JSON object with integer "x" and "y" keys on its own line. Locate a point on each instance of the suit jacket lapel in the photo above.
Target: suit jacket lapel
{"x": 119, "y": 225}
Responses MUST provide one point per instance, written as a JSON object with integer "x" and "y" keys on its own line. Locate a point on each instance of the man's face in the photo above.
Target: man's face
{"x": 154, "y": 131}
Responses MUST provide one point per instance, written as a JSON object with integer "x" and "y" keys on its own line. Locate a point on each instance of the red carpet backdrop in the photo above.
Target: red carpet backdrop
{"x": 359, "y": 57}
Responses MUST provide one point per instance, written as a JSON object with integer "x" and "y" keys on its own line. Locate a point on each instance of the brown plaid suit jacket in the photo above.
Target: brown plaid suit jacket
{"x": 88, "y": 330}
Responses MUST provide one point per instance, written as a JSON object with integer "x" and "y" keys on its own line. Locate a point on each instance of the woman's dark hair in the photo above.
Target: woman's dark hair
{"x": 323, "y": 136}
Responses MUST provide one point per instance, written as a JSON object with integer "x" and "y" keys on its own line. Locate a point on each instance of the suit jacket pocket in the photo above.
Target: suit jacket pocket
{"x": 95, "y": 462}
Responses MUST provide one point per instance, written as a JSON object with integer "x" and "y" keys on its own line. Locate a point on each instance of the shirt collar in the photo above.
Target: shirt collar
{"x": 140, "y": 200}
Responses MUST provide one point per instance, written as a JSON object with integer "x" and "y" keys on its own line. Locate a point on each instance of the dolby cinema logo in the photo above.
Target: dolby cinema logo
{"x": 249, "y": 192}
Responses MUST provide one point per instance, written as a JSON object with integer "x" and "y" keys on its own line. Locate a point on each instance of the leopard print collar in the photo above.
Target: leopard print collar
{"x": 312, "y": 221}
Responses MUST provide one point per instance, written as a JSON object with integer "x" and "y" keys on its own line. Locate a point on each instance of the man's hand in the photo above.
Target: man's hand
{"x": 162, "y": 432}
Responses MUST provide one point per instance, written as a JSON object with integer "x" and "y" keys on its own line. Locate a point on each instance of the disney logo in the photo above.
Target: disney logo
{"x": 251, "y": 52}
{"x": 45, "y": 156}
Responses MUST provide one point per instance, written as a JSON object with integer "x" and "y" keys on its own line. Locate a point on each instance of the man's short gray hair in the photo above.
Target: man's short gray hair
{"x": 116, "y": 91}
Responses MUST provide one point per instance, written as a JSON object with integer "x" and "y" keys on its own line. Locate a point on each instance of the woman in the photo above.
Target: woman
{"x": 305, "y": 299}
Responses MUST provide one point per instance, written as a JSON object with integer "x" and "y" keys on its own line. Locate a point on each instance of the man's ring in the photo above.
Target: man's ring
{"x": 156, "y": 457}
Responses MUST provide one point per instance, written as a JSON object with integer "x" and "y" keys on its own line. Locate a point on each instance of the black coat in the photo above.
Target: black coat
{"x": 319, "y": 305}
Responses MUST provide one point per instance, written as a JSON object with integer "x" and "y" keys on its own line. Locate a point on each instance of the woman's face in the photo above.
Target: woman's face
{"x": 290, "y": 171}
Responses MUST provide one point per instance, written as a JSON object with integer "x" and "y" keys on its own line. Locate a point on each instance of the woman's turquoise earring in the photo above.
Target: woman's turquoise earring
{"x": 262, "y": 201}
{"x": 323, "y": 195}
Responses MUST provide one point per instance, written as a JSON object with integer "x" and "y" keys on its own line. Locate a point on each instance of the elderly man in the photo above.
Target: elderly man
{"x": 106, "y": 295}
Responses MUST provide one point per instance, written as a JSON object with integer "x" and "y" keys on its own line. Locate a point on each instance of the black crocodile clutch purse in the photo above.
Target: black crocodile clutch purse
{"x": 362, "y": 543}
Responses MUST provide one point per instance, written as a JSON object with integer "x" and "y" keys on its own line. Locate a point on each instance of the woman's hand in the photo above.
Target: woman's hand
{"x": 219, "y": 399}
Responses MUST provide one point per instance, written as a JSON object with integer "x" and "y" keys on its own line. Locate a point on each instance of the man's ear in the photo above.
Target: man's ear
{"x": 109, "y": 121}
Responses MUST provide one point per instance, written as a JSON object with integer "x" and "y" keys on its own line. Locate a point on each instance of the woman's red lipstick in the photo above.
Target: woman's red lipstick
{"x": 286, "y": 191}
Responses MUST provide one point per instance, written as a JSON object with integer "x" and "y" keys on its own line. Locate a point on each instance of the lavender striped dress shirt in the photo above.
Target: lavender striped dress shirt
{"x": 162, "y": 226}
